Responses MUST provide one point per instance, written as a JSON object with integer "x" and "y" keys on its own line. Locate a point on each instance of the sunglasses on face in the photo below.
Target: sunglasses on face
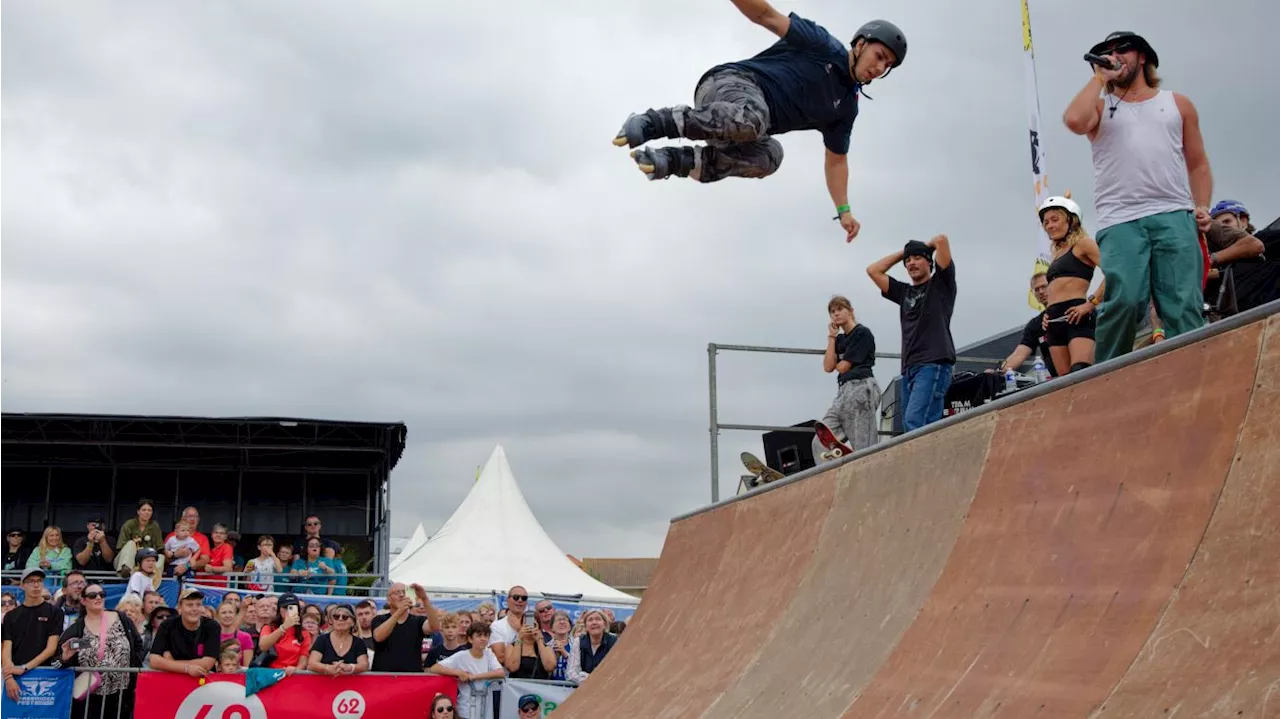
{"x": 336, "y": 617}
{"x": 444, "y": 710}
{"x": 94, "y": 595}
{"x": 15, "y": 534}
{"x": 519, "y": 597}
{"x": 1118, "y": 48}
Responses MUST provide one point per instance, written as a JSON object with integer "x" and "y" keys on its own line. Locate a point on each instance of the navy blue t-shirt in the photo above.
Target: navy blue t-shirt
{"x": 806, "y": 83}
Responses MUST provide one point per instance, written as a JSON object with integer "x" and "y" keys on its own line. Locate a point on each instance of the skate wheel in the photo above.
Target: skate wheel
{"x": 837, "y": 453}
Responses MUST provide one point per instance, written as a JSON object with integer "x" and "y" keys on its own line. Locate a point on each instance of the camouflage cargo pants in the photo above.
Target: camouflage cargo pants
{"x": 731, "y": 114}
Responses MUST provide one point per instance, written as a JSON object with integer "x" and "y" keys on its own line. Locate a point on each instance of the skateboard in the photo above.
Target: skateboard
{"x": 762, "y": 472}
{"x": 835, "y": 448}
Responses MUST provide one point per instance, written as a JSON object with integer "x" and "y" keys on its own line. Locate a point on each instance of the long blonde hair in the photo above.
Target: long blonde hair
{"x": 44, "y": 540}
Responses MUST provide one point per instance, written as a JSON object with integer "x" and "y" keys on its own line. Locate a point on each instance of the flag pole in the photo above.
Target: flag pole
{"x": 1039, "y": 178}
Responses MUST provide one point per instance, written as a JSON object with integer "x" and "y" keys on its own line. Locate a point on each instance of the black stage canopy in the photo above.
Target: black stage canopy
{"x": 258, "y": 475}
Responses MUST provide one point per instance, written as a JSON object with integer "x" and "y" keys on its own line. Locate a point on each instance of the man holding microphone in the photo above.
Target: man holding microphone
{"x": 1152, "y": 184}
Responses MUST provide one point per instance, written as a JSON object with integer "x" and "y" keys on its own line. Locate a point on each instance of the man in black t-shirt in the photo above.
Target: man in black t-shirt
{"x": 30, "y": 633}
{"x": 95, "y": 552}
{"x": 925, "y": 308}
{"x": 188, "y": 643}
{"x": 1034, "y": 335}
{"x": 851, "y": 354}
{"x": 397, "y": 637}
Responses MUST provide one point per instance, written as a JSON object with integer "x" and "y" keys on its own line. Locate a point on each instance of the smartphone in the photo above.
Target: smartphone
{"x": 528, "y": 618}
{"x": 76, "y": 644}
{"x": 1099, "y": 61}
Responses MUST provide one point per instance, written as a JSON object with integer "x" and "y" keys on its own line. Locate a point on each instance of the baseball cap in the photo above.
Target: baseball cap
{"x": 33, "y": 570}
{"x": 190, "y": 593}
{"x": 530, "y": 700}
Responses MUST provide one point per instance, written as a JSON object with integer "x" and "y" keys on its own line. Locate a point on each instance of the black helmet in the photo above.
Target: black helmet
{"x": 1120, "y": 37}
{"x": 885, "y": 32}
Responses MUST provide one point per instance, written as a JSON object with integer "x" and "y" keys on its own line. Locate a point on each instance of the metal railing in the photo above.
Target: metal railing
{"x": 238, "y": 581}
{"x": 716, "y": 425}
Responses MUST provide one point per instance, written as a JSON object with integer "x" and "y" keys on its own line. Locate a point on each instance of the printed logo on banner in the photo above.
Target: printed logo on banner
{"x": 349, "y": 704}
{"x": 44, "y": 694}
{"x": 220, "y": 700}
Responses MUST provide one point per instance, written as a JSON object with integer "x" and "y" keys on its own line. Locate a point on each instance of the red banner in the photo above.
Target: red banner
{"x": 162, "y": 695}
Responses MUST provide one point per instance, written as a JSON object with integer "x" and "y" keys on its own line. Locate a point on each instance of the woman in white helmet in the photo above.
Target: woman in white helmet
{"x": 1070, "y": 318}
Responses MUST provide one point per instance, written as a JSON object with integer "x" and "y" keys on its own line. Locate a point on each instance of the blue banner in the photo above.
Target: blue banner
{"x": 45, "y": 694}
{"x": 168, "y": 589}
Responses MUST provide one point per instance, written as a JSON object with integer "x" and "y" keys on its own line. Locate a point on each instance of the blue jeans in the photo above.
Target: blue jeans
{"x": 923, "y": 389}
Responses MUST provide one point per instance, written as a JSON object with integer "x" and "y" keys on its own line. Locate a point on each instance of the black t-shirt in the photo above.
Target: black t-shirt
{"x": 328, "y": 655}
{"x": 29, "y": 628}
{"x": 185, "y": 644}
{"x": 16, "y": 560}
{"x": 402, "y": 652}
{"x": 1034, "y": 336}
{"x": 858, "y": 347}
{"x": 438, "y": 653}
{"x": 925, "y": 312}
{"x": 96, "y": 563}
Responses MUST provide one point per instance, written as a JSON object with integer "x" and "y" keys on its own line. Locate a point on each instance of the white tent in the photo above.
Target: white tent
{"x": 415, "y": 543}
{"x": 493, "y": 542}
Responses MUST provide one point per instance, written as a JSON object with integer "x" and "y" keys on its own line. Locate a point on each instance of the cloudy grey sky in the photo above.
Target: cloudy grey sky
{"x": 412, "y": 211}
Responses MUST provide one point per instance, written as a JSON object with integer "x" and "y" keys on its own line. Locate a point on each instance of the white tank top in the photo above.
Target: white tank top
{"x": 1138, "y": 166}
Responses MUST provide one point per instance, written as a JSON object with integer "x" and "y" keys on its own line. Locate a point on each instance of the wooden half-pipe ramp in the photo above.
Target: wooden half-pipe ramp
{"x": 1104, "y": 545}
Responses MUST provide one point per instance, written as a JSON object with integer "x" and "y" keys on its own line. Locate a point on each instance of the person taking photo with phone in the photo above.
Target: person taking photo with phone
{"x": 102, "y": 638}
{"x": 397, "y": 636}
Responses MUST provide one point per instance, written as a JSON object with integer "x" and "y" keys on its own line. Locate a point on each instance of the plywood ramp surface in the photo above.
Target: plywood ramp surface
{"x": 1107, "y": 549}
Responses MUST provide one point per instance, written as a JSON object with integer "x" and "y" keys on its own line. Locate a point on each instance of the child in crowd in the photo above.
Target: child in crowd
{"x": 263, "y": 568}
{"x": 229, "y": 657}
{"x": 146, "y": 578}
{"x": 179, "y": 550}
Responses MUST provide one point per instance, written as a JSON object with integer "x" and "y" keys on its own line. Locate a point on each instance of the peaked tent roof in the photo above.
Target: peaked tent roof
{"x": 493, "y": 542}
{"x": 416, "y": 542}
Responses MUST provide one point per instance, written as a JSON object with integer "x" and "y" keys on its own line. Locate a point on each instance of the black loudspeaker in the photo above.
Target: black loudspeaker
{"x": 790, "y": 452}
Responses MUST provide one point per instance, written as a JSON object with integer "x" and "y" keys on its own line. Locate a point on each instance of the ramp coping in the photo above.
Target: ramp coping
{"x": 1220, "y": 327}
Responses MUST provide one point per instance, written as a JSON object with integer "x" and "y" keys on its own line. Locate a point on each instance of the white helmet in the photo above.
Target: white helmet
{"x": 1065, "y": 203}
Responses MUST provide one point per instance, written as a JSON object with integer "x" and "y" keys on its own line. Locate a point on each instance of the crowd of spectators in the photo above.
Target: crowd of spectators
{"x": 261, "y": 618}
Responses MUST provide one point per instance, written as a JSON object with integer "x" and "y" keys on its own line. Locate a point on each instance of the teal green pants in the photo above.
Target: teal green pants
{"x": 1155, "y": 257}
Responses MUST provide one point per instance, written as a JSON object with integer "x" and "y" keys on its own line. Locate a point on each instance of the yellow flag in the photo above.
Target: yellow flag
{"x": 1038, "y": 176}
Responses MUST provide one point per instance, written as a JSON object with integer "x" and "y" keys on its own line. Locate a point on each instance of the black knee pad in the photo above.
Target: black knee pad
{"x": 1079, "y": 366}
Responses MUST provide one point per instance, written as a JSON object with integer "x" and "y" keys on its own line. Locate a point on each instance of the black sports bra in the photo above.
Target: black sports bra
{"x": 1068, "y": 265}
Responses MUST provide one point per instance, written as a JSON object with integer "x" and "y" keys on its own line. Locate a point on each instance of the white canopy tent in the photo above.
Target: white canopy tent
{"x": 416, "y": 542}
{"x": 493, "y": 542}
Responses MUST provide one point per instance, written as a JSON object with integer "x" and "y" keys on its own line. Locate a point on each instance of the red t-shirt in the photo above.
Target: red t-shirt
{"x": 218, "y": 556}
{"x": 289, "y": 649}
{"x": 201, "y": 539}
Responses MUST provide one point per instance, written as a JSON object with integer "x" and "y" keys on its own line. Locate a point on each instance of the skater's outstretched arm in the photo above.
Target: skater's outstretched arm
{"x": 878, "y": 271}
{"x": 836, "y": 168}
{"x": 763, "y": 14}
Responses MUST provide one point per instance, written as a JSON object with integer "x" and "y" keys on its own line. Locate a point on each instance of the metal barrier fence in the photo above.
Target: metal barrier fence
{"x": 239, "y": 581}
{"x": 717, "y": 425}
{"x": 485, "y": 695}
